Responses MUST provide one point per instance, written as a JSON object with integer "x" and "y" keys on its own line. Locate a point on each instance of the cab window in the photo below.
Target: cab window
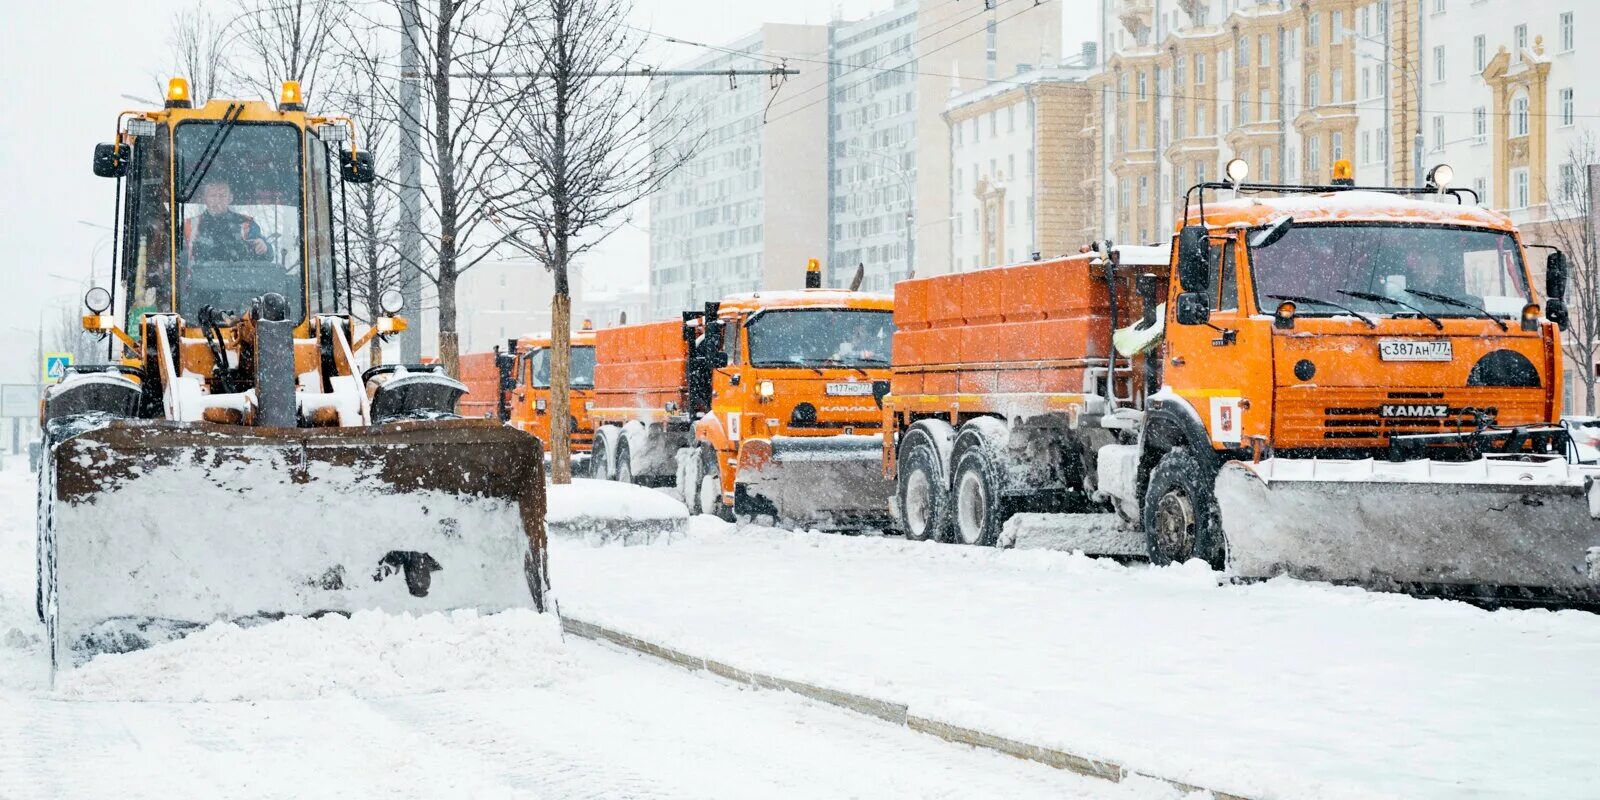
{"x": 1226, "y": 279}
{"x": 730, "y": 341}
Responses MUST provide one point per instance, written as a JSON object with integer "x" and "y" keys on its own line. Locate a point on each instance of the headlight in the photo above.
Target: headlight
{"x": 138, "y": 126}
{"x": 765, "y": 390}
{"x": 538, "y": 405}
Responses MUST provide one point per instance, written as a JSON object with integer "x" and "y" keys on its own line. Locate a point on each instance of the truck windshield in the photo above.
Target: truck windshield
{"x": 1425, "y": 267}
{"x": 239, "y": 190}
{"x": 582, "y": 367}
{"x": 821, "y": 338}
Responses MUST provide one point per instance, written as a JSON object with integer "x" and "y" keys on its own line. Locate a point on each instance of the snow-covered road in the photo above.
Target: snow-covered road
{"x": 461, "y": 706}
{"x": 1279, "y": 689}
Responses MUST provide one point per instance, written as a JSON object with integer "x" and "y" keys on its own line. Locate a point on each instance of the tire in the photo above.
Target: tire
{"x": 711, "y": 487}
{"x": 623, "y": 468}
{"x": 689, "y": 480}
{"x": 922, "y": 488}
{"x": 1180, "y": 512}
{"x": 602, "y": 458}
{"x": 975, "y": 500}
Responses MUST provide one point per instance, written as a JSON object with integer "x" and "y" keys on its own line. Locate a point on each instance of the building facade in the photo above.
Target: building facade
{"x": 1024, "y": 176}
{"x": 750, "y": 206}
{"x": 500, "y": 300}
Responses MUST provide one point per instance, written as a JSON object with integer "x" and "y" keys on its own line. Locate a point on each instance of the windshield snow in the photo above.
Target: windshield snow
{"x": 1401, "y": 265}
{"x": 821, "y": 338}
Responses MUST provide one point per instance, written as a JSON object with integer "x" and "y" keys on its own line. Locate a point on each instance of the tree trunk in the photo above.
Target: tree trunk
{"x": 560, "y": 376}
{"x": 449, "y": 340}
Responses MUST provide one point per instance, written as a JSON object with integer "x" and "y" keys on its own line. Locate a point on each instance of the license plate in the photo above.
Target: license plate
{"x": 1415, "y": 350}
{"x": 1413, "y": 410}
{"x": 849, "y": 389}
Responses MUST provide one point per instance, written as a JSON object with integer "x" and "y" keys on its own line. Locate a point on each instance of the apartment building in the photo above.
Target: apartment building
{"x": 1024, "y": 176}
{"x": 751, "y": 205}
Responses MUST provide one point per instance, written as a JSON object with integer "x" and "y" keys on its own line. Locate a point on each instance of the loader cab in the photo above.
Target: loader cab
{"x": 1345, "y": 322}
{"x": 226, "y": 203}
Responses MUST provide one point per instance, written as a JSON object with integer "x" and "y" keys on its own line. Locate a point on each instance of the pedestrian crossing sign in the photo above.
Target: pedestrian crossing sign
{"x": 55, "y": 365}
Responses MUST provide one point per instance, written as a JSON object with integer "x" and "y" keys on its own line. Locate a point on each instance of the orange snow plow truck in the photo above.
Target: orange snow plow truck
{"x": 1336, "y": 383}
{"x": 763, "y": 405}
{"x": 513, "y": 386}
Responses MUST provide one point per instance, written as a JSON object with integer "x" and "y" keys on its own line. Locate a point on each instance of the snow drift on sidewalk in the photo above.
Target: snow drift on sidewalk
{"x": 368, "y": 654}
{"x": 604, "y": 512}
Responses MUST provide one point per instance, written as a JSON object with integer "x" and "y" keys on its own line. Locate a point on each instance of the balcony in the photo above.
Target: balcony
{"x": 1136, "y": 15}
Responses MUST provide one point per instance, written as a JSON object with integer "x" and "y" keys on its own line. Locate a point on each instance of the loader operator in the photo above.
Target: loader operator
{"x": 221, "y": 234}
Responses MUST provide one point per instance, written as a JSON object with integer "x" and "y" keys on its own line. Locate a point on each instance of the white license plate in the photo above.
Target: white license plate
{"x": 849, "y": 389}
{"x": 1415, "y": 350}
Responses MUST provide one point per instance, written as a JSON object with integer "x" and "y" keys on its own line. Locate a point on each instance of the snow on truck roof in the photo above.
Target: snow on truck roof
{"x": 806, "y": 298}
{"x": 1356, "y": 205}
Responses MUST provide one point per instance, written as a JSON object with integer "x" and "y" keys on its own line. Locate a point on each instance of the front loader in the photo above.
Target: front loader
{"x": 233, "y": 460}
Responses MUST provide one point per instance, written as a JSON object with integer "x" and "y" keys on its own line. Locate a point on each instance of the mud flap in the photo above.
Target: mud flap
{"x": 156, "y": 527}
{"x": 833, "y": 482}
{"x": 1489, "y": 524}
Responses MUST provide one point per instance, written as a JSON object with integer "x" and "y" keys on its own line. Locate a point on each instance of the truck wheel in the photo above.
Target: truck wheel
{"x": 1180, "y": 512}
{"x": 711, "y": 487}
{"x": 602, "y": 455}
{"x": 922, "y": 488}
{"x": 689, "y": 479}
{"x": 976, "y": 500}
{"x": 624, "y": 465}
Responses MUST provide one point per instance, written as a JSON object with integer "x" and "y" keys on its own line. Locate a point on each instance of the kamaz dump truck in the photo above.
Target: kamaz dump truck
{"x": 764, "y": 405}
{"x": 232, "y": 459}
{"x": 513, "y": 386}
{"x": 1336, "y": 383}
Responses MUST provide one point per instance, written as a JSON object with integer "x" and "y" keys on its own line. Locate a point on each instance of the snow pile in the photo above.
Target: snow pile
{"x": 602, "y": 512}
{"x": 368, "y": 654}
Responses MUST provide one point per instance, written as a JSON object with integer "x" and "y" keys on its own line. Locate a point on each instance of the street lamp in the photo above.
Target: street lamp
{"x": 1406, "y": 65}
{"x": 911, "y": 216}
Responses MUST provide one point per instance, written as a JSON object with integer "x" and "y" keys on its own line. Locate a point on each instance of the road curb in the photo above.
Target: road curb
{"x": 897, "y": 713}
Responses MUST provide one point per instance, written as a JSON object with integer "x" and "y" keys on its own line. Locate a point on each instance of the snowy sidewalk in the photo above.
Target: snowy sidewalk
{"x": 1282, "y": 689}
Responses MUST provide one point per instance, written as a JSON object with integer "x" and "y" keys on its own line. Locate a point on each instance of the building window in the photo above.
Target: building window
{"x": 1336, "y": 144}
{"x": 1366, "y": 147}
{"x": 1336, "y": 26}
{"x": 1519, "y": 188}
{"x": 1480, "y": 124}
{"x": 1566, "y": 108}
{"x": 1481, "y": 187}
{"x": 1179, "y": 69}
{"x": 1243, "y": 46}
{"x": 1313, "y": 28}
{"x": 1366, "y": 82}
{"x": 1224, "y": 120}
{"x": 1122, "y": 191}
{"x": 1144, "y": 190}
{"x": 1224, "y": 66}
{"x": 1244, "y": 109}
{"x": 1200, "y": 120}
{"x": 1480, "y": 53}
{"x": 1438, "y": 6}
{"x": 1336, "y": 94}
{"x": 1140, "y": 81}
{"x": 1383, "y": 143}
{"x": 1314, "y": 90}
{"x": 1438, "y": 131}
{"x": 1263, "y": 50}
{"x": 1199, "y": 68}
{"x": 1438, "y": 63}
{"x": 1366, "y": 20}
{"x": 1266, "y": 105}
{"x": 1566, "y": 32}
{"x": 1314, "y": 156}
{"x": 1519, "y": 116}
{"x": 1266, "y": 164}
{"x": 1519, "y": 40}
{"x": 1568, "y": 189}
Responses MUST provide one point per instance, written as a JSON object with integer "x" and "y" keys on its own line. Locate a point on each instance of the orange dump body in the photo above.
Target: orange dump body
{"x": 1004, "y": 335}
{"x": 482, "y": 377}
{"x": 639, "y": 371}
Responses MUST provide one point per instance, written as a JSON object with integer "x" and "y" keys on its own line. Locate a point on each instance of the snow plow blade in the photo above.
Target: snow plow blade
{"x": 831, "y": 482}
{"x": 1485, "y": 529}
{"x": 153, "y": 528}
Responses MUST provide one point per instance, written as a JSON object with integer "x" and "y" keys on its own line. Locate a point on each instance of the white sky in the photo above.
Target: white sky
{"x": 66, "y": 62}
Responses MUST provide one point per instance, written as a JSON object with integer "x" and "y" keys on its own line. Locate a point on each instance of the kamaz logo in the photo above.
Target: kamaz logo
{"x": 1408, "y": 411}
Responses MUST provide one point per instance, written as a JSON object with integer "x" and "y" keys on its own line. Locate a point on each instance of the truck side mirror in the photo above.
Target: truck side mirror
{"x": 719, "y": 359}
{"x": 1194, "y": 265}
{"x": 357, "y": 168}
{"x": 111, "y": 160}
{"x": 1145, "y": 284}
{"x": 1193, "y": 309}
{"x": 1556, "y": 311}
{"x": 1556, "y": 273}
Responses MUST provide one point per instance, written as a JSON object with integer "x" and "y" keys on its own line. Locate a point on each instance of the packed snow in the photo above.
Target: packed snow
{"x": 1275, "y": 689}
{"x": 439, "y": 705}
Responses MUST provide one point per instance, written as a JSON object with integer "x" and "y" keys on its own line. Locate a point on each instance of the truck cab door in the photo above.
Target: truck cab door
{"x": 727, "y": 385}
{"x": 1224, "y": 368}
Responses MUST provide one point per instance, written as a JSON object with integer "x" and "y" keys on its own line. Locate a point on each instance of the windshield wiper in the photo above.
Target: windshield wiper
{"x": 839, "y": 362}
{"x": 1300, "y": 298}
{"x": 1451, "y": 301}
{"x": 219, "y": 137}
{"x": 1378, "y": 298}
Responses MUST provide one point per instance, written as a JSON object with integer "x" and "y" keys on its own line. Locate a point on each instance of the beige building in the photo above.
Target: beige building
{"x": 500, "y": 300}
{"x": 1289, "y": 87}
{"x": 1024, "y": 177}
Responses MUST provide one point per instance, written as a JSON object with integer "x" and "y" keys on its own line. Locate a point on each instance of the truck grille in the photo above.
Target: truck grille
{"x": 1356, "y": 417}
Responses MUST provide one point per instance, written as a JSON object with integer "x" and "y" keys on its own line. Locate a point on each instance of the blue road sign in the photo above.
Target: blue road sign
{"x": 55, "y": 365}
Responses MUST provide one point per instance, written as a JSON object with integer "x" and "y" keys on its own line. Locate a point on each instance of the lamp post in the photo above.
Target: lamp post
{"x": 1406, "y": 65}
{"x": 911, "y": 214}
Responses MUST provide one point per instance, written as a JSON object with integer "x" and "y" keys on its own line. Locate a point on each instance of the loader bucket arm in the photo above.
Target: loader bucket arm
{"x": 152, "y": 528}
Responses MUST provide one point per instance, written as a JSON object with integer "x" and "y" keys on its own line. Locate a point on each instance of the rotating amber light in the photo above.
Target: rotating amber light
{"x": 178, "y": 93}
{"x": 1343, "y": 173}
{"x": 289, "y": 97}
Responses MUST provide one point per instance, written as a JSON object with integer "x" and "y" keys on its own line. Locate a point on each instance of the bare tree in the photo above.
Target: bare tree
{"x": 372, "y": 219}
{"x": 462, "y": 125}
{"x": 1571, "y": 230}
{"x": 199, "y": 49}
{"x": 283, "y": 40}
{"x": 584, "y": 147}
